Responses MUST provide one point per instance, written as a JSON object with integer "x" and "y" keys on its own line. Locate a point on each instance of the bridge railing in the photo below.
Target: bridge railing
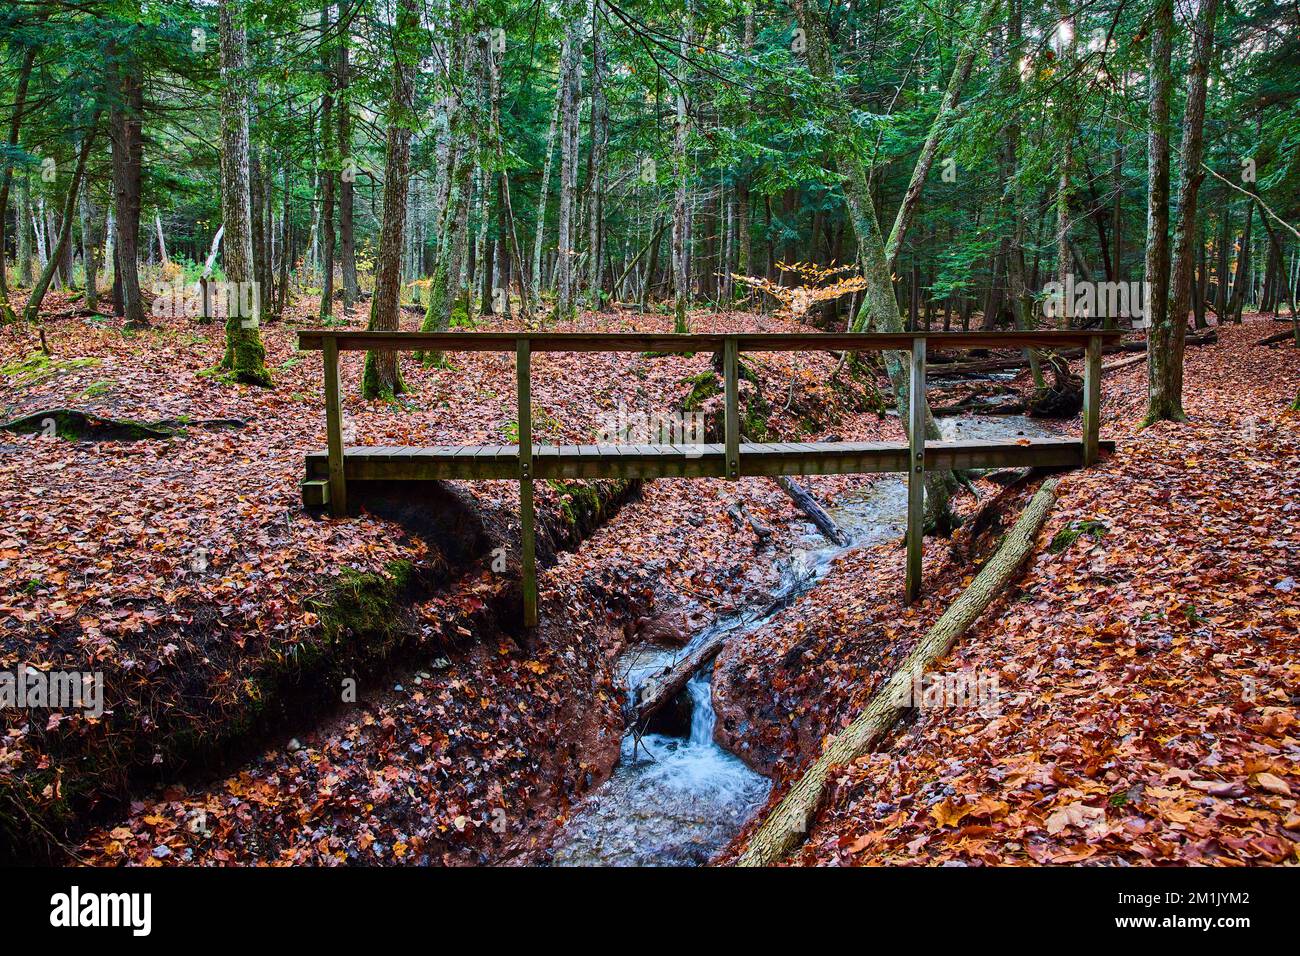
{"x": 524, "y": 344}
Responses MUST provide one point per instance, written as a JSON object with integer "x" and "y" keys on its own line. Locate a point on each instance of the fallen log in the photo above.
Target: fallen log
{"x": 1277, "y": 337}
{"x": 809, "y": 506}
{"x": 1123, "y": 363}
{"x": 787, "y": 825}
{"x": 75, "y": 424}
{"x": 806, "y": 503}
{"x": 1207, "y": 337}
{"x": 660, "y": 688}
{"x": 741, "y": 516}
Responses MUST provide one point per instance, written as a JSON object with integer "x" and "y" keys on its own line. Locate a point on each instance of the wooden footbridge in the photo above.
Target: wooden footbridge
{"x": 329, "y": 472}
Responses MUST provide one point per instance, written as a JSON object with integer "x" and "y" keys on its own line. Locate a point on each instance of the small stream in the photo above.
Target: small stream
{"x": 678, "y": 800}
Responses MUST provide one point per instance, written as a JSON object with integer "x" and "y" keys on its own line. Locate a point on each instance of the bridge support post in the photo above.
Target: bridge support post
{"x": 334, "y": 428}
{"x": 731, "y": 424}
{"x": 915, "y": 471}
{"x": 1091, "y": 400}
{"x": 527, "y": 536}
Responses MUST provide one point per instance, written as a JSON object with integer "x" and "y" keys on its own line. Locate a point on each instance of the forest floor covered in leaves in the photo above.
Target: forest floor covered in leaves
{"x": 1147, "y": 658}
{"x": 1147, "y": 663}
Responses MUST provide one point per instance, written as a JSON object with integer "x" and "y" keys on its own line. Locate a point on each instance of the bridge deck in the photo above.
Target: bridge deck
{"x": 440, "y": 462}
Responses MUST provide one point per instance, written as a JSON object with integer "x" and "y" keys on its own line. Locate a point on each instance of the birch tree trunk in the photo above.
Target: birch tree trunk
{"x": 448, "y": 283}
{"x": 382, "y": 377}
{"x": 64, "y": 241}
{"x": 24, "y": 237}
{"x": 244, "y": 355}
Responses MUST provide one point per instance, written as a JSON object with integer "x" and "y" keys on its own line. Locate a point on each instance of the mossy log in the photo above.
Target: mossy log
{"x": 787, "y": 825}
{"x": 75, "y": 425}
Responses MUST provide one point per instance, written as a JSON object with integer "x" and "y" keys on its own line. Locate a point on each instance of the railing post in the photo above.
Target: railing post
{"x": 916, "y": 471}
{"x": 334, "y": 429}
{"x": 528, "y": 556}
{"x": 731, "y": 422}
{"x": 1091, "y": 400}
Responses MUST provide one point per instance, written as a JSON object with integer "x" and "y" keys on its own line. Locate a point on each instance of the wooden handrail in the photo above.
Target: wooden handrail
{"x": 315, "y": 339}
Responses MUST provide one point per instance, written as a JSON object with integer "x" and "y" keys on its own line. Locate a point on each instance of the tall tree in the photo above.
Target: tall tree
{"x": 382, "y": 377}
{"x": 244, "y": 356}
{"x": 125, "y": 124}
{"x": 567, "y": 224}
{"x": 1160, "y": 333}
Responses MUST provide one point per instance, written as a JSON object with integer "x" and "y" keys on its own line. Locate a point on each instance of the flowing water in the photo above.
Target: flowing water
{"x": 676, "y": 801}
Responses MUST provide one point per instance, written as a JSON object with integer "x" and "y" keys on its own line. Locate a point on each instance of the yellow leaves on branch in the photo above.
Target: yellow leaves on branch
{"x": 819, "y": 284}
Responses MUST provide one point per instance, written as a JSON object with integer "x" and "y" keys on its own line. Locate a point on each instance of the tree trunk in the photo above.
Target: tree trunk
{"x": 382, "y": 377}
{"x": 91, "y": 242}
{"x": 328, "y": 171}
{"x": 596, "y": 166}
{"x": 64, "y": 241}
{"x": 535, "y": 276}
{"x": 347, "y": 176}
{"x": 1165, "y": 401}
{"x": 571, "y": 80}
{"x": 1159, "y": 404}
{"x": 244, "y": 356}
{"x": 878, "y": 296}
{"x": 15, "y": 125}
{"x": 681, "y": 207}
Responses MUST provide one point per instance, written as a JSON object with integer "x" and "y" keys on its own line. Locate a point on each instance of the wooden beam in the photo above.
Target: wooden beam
{"x": 314, "y": 340}
{"x": 916, "y": 471}
{"x": 442, "y": 463}
{"x": 527, "y": 536}
{"x": 1091, "y": 400}
{"x": 731, "y": 425}
{"x": 334, "y": 432}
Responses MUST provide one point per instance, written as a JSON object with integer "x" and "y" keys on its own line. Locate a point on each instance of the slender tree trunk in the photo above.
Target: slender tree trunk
{"x": 681, "y": 174}
{"x": 535, "y": 276}
{"x": 883, "y": 307}
{"x": 347, "y": 177}
{"x": 64, "y": 241}
{"x": 244, "y": 355}
{"x": 15, "y": 125}
{"x": 596, "y": 166}
{"x": 91, "y": 242}
{"x": 328, "y": 171}
{"x": 23, "y": 227}
{"x": 1165, "y": 398}
{"x": 382, "y": 378}
{"x": 571, "y": 78}
{"x": 1159, "y": 334}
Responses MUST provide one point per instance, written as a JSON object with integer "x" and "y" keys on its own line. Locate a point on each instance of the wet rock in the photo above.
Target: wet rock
{"x": 674, "y": 622}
